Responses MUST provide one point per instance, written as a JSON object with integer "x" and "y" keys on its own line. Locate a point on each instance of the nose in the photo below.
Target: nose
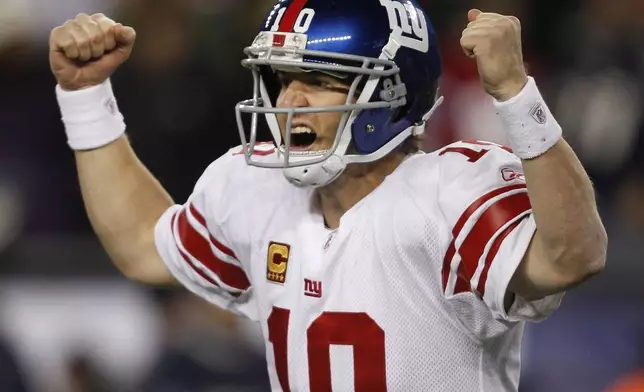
{"x": 294, "y": 95}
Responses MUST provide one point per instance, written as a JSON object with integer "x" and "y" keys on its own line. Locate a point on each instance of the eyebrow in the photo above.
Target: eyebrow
{"x": 337, "y": 84}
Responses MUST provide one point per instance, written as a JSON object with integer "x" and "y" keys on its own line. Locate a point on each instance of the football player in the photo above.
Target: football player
{"x": 371, "y": 266}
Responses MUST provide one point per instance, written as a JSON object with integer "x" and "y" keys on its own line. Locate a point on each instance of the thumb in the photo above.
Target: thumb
{"x": 473, "y": 14}
{"x": 124, "y": 35}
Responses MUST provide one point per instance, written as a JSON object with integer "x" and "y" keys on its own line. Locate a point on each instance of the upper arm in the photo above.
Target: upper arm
{"x": 138, "y": 258}
{"x": 197, "y": 248}
{"x": 485, "y": 202}
{"x": 150, "y": 268}
{"x": 536, "y": 277}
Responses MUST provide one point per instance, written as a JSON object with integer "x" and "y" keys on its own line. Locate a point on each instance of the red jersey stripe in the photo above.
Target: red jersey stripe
{"x": 203, "y": 275}
{"x": 199, "y": 248}
{"x": 493, "y": 219}
{"x": 462, "y": 285}
{"x": 480, "y": 288}
{"x": 449, "y": 255}
{"x": 194, "y": 267}
{"x": 291, "y": 14}
{"x": 202, "y": 221}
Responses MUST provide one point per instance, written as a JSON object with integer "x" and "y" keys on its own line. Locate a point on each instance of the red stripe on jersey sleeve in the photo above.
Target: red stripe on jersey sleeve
{"x": 198, "y": 271}
{"x": 199, "y": 248}
{"x": 451, "y": 251}
{"x": 480, "y": 288}
{"x": 290, "y": 17}
{"x": 493, "y": 219}
{"x": 202, "y": 221}
{"x": 194, "y": 267}
{"x": 461, "y": 284}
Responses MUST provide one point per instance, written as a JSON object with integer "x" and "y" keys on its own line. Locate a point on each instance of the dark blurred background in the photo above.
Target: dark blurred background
{"x": 70, "y": 323}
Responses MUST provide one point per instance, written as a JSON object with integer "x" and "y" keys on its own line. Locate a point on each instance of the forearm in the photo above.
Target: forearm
{"x": 569, "y": 228}
{"x": 569, "y": 245}
{"x": 123, "y": 201}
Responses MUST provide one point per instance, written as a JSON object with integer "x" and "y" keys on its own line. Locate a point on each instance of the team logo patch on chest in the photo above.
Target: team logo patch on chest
{"x": 312, "y": 288}
{"x": 277, "y": 262}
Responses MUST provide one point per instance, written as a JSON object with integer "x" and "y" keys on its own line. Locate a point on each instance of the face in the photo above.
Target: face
{"x": 311, "y": 131}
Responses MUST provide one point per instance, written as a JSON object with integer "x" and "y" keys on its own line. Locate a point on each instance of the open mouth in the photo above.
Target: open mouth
{"x": 302, "y": 138}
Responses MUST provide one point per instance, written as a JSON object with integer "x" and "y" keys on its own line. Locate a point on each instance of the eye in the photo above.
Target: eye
{"x": 323, "y": 84}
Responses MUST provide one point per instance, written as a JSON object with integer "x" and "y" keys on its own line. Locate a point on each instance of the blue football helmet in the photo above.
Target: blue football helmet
{"x": 389, "y": 51}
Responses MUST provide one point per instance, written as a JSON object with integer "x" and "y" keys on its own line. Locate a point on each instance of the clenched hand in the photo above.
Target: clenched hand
{"x": 86, "y": 50}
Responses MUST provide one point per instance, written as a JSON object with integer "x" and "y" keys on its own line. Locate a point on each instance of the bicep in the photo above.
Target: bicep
{"x": 139, "y": 259}
{"x": 537, "y": 276}
{"x": 151, "y": 270}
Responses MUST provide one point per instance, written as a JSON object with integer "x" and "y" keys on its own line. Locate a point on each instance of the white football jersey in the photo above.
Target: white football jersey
{"x": 406, "y": 295}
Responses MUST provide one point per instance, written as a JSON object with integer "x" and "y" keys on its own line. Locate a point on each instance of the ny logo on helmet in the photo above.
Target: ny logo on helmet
{"x": 406, "y": 19}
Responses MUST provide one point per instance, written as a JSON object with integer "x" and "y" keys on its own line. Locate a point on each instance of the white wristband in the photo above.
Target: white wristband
{"x": 91, "y": 116}
{"x": 531, "y": 128}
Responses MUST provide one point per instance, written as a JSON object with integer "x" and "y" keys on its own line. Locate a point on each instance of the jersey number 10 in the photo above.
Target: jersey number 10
{"x": 349, "y": 329}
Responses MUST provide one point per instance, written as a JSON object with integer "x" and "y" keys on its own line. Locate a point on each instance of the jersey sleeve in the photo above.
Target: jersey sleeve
{"x": 197, "y": 247}
{"x": 484, "y": 200}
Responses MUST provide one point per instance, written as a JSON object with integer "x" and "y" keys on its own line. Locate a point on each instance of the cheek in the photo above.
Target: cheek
{"x": 279, "y": 102}
{"x": 330, "y": 121}
{"x": 281, "y": 117}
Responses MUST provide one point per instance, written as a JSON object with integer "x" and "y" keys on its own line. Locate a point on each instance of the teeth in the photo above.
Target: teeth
{"x": 302, "y": 130}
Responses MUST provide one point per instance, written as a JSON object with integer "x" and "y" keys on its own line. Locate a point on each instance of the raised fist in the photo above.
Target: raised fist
{"x": 494, "y": 41}
{"x": 85, "y": 51}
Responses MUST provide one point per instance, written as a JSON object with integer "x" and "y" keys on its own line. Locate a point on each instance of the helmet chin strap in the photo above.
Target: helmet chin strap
{"x": 323, "y": 173}
{"x": 317, "y": 174}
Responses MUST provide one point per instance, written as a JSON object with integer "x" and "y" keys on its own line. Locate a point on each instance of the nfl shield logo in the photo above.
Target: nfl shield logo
{"x": 539, "y": 113}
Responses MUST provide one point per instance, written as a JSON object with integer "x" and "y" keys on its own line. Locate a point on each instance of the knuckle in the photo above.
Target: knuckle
{"x": 516, "y": 23}
{"x": 66, "y": 43}
{"x": 106, "y": 23}
{"x": 97, "y": 39}
{"x": 74, "y": 26}
{"x": 499, "y": 28}
{"x": 82, "y": 41}
{"x": 56, "y": 32}
{"x": 96, "y": 35}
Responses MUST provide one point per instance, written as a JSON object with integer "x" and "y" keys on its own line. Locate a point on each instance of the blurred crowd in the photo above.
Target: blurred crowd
{"x": 69, "y": 322}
